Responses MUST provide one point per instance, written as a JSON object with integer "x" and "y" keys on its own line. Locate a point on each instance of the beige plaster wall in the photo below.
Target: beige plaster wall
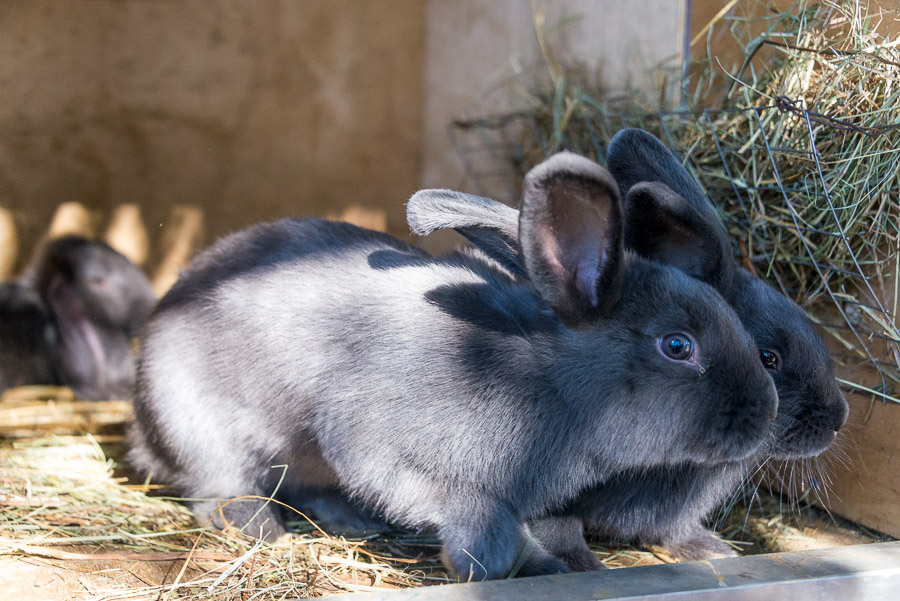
{"x": 479, "y": 56}
{"x": 249, "y": 110}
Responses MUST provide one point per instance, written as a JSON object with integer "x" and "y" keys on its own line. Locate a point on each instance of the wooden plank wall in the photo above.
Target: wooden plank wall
{"x": 244, "y": 111}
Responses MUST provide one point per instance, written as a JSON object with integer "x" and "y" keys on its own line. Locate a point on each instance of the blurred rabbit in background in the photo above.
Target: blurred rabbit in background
{"x": 97, "y": 302}
{"x": 72, "y": 314}
{"x": 70, "y": 320}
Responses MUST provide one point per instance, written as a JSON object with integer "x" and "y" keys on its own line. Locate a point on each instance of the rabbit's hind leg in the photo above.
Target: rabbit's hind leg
{"x": 335, "y": 512}
{"x": 255, "y": 516}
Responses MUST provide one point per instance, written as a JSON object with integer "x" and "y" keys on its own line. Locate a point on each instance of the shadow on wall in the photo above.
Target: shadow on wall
{"x": 125, "y": 230}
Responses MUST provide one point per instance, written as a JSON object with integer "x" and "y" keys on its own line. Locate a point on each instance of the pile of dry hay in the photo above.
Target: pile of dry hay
{"x": 801, "y": 155}
{"x": 63, "y": 504}
{"x": 71, "y": 520}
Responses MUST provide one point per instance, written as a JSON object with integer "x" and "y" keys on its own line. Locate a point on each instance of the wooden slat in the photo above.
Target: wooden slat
{"x": 869, "y": 572}
{"x": 20, "y": 416}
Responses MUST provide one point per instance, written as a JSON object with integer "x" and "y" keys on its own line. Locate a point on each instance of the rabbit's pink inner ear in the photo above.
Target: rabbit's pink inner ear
{"x": 582, "y": 231}
{"x": 578, "y": 239}
{"x": 570, "y": 231}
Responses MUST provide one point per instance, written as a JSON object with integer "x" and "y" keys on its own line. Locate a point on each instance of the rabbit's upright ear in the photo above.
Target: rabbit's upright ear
{"x": 664, "y": 227}
{"x": 487, "y": 224}
{"x": 673, "y": 221}
{"x": 570, "y": 230}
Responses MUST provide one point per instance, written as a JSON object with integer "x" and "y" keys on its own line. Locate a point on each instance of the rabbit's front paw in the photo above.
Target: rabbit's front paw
{"x": 701, "y": 546}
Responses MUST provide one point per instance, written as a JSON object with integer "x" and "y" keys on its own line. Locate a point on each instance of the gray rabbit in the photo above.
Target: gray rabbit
{"x": 668, "y": 219}
{"x": 97, "y": 301}
{"x": 442, "y": 393}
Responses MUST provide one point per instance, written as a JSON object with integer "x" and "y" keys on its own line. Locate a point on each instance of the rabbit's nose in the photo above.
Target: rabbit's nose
{"x": 840, "y": 410}
{"x": 842, "y": 419}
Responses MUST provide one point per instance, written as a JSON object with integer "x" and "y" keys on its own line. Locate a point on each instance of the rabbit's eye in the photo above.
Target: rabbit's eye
{"x": 770, "y": 359}
{"x": 677, "y": 347}
{"x": 98, "y": 282}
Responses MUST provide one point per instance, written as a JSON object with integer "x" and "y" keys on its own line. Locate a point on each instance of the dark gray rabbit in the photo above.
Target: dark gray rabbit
{"x": 660, "y": 193}
{"x": 441, "y": 393}
{"x": 668, "y": 219}
{"x": 97, "y": 301}
{"x": 27, "y": 339}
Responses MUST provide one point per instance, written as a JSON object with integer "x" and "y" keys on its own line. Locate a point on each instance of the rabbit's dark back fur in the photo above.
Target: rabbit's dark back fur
{"x": 442, "y": 392}
{"x": 97, "y": 300}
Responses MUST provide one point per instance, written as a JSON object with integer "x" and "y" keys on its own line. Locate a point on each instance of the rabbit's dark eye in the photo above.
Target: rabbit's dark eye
{"x": 677, "y": 347}
{"x": 97, "y": 281}
{"x": 770, "y": 359}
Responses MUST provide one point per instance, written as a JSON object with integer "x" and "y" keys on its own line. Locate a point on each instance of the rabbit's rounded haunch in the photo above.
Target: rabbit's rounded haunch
{"x": 442, "y": 393}
{"x": 668, "y": 219}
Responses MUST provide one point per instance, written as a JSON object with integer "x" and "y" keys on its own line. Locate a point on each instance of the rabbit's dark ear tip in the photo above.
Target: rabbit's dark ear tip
{"x": 633, "y": 137}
